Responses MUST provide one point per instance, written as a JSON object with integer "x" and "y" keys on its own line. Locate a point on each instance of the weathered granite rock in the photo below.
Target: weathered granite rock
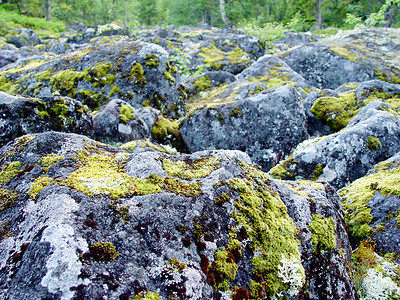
{"x": 19, "y": 116}
{"x": 373, "y": 135}
{"x": 83, "y": 220}
{"x": 23, "y": 37}
{"x": 372, "y": 204}
{"x": 9, "y": 56}
{"x": 137, "y": 72}
{"x": 120, "y": 122}
{"x": 266, "y": 126}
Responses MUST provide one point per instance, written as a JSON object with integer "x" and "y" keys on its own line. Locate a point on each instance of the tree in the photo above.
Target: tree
{"x": 223, "y": 14}
{"x": 318, "y": 15}
{"x": 48, "y": 14}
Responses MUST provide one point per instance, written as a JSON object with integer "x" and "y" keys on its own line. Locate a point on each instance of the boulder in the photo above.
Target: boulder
{"x": 120, "y": 122}
{"x": 372, "y": 205}
{"x": 22, "y": 37}
{"x": 139, "y": 73}
{"x": 149, "y": 224}
{"x": 19, "y": 116}
{"x": 266, "y": 125}
{"x": 373, "y": 135}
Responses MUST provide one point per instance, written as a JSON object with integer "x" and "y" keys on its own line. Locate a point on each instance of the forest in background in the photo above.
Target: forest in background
{"x": 298, "y": 15}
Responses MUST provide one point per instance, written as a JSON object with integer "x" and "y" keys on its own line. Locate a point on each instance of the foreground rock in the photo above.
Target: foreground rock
{"x": 266, "y": 125}
{"x": 196, "y": 226}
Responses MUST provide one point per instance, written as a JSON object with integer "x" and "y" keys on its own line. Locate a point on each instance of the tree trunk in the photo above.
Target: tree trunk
{"x": 223, "y": 14}
{"x": 318, "y": 16}
{"x": 48, "y": 14}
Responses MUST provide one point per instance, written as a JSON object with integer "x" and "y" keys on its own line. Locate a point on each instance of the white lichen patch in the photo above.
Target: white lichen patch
{"x": 376, "y": 286}
{"x": 63, "y": 265}
{"x": 292, "y": 273}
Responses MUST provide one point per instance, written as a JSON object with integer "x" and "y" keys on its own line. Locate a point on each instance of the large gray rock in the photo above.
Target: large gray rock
{"x": 137, "y": 72}
{"x": 373, "y": 135}
{"x": 83, "y": 220}
{"x": 266, "y": 126}
{"x": 19, "y": 116}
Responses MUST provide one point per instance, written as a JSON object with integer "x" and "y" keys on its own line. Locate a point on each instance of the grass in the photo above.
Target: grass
{"x": 11, "y": 20}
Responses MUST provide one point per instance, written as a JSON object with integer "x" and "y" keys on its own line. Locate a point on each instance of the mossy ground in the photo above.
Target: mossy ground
{"x": 195, "y": 169}
{"x": 217, "y": 58}
{"x": 164, "y": 127}
{"x": 202, "y": 83}
{"x": 356, "y": 196}
{"x": 283, "y": 170}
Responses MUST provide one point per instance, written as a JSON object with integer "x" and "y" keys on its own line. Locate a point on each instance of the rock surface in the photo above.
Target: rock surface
{"x": 191, "y": 226}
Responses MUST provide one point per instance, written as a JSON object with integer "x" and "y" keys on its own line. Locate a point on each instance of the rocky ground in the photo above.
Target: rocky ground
{"x": 198, "y": 163}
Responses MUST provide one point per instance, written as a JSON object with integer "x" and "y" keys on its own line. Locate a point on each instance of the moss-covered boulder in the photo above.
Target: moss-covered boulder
{"x": 266, "y": 125}
{"x": 197, "y": 226}
{"x": 372, "y": 206}
{"x": 370, "y": 137}
{"x": 358, "y": 55}
{"x": 20, "y": 116}
{"x": 97, "y": 74}
{"x": 120, "y": 122}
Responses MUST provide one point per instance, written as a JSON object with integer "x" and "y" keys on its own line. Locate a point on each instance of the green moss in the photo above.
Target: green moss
{"x": 27, "y": 66}
{"x": 176, "y": 186}
{"x": 168, "y": 76}
{"x": 5, "y": 231}
{"x": 151, "y": 61}
{"x": 129, "y": 146}
{"x": 99, "y": 74}
{"x": 323, "y": 235}
{"x": 163, "y": 127}
{"x": 137, "y": 73}
{"x": 319, "y": 169}
{"x": 222, "y": 199}
{"x": 47, "y": 161}
{"x": 220, "y": 118}
{"x": 355, "y": 197}
{"x": 19, "y": 145}
{"x": 67, "y": 80}
{"x": 197, "y": 169}
{"x": 276, "y": 77}
{"x": 283, "y": 170}
{"x": 8, "y": 86}
{"x": 202, "y": 83}
{"x": 336, "y": 112}
{"x": 344, "y": 53}
{"x": 126, "y": 113}
{"x": 373, "y": 143}
{"x": 226, "y": 267}
{"x": 311, "y": 184}
{"x": 147, "y": 296}
{"x": 328, "y": 31}
{"x": 114, "y": 89}
{"x": 103, "y": 251}
{"x": 236, "y": 112}
{"x": 273, "y": 233}
{"x": 45, "y": 75}
{"x": 258, "y": 89}
{"x": 38, "y": 185}
{"x": 7, "y": 199}
{"x": 398, "y": 221}
{"x": 9, "y": 171}
{"x": 217, "y": 58}
{"x": 157, "y": 147}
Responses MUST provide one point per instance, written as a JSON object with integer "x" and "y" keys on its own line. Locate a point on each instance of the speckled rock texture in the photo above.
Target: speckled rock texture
{"x": 266, "y": 126}
{"x": 190, "y": 226}
{"x": 347, "y": 155}
{"x": 19, "y": 116}
{"x": 120, "y": 122}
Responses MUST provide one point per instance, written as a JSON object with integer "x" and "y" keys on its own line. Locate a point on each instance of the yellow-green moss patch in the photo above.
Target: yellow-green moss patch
{"x": 202, "y": 83}
{"x": 373, "y": 143}
{"x": 126, "y": 113}
{"x": 9, "y": 171}
{"x": 147, "y": 296}
{"x": 273, "y": 233}
{"x": 283, "y": 170}
{"x": 323, "y": 235}
{"x": 47, "y": 161}
{"x": 103, "y": 251}
{"x": 151, "y": 61}
{"x": 7, "y": 199}
{"x": 217, "y": 58}
{"x": 38, "y": 185}
{"x": 66, "y": 80}
{"x": 129, "y": 146}
{"x": 197, "y": 169}
{"x": 137, "y": 73}
{"x": 163, "y": 127}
